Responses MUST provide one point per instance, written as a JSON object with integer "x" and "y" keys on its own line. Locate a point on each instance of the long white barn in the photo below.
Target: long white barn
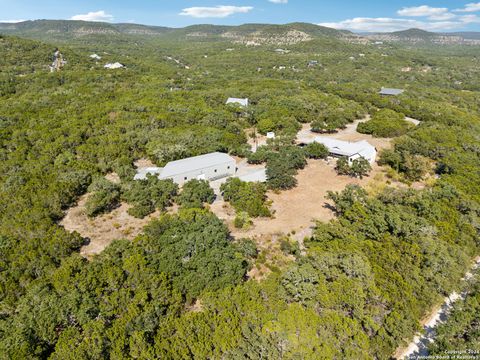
{"x": 351, "y": 150}
{"x": 211, "y": 166}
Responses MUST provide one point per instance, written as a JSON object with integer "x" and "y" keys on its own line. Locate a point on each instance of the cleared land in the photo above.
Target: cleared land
{"x": 295, "y": 211}
{"x": 103, "y": 229}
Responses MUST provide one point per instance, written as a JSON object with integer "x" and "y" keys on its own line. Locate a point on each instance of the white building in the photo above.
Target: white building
{"x": 142, "y": 173}
{"x": 237, "y": 101}
{"x": 211, "y": 166}
{"x": 391, "y": 92}
{"x": 351, "y": 150}
{"x": 116, "y": 65}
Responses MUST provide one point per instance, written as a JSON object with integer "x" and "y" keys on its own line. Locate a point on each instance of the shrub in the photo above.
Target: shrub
{"x": 105, "y": 197}
{"x": 148, "y": 195}
{"x": 385, "y": 123}
{"x": 242, "y": 221}
{"x": 247, "y": 197}
{"x": 280, "y": 176}
{"x": 342, "y": 166}
{"x": 316, "y": 151}
{"x": 195, "y": 193}
{"x": 359, "y": 167}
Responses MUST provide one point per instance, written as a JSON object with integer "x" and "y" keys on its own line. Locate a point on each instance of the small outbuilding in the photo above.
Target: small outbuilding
{"x": 391, "y": 92}
{"x": 238, "y": 101}
{"x": 351, "y": 150}
{"x": 116, "y": 65}
{"x": 210, "y": 167}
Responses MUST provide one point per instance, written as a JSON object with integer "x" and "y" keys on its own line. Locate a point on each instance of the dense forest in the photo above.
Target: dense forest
{"x": 179, "y": 290}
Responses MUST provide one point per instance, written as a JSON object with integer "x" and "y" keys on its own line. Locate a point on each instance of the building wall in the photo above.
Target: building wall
{"x": 209, "y": 173}
{"x": 370, "y": 156}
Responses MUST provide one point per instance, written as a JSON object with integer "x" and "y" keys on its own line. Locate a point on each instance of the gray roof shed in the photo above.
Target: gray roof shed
{"x": 390, "y": 91}
{"x": 195, "y": 163}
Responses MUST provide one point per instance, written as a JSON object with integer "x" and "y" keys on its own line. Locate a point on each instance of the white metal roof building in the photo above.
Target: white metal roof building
{"x": 211, "y": 166}
{"x": 391, "y": 92}
{"x": 142, "y": 173}
{"x": 241, "y": 102}
{"x": 259, "y": 175}
{"x": 351, "y": 150}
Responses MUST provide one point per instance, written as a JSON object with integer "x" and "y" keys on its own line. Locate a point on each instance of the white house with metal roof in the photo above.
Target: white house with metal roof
{"x": 211, "y": 166}
{"x": 351, "y": 150}
{"x": 391, "y": 92}
{"x": 237, "y": 101}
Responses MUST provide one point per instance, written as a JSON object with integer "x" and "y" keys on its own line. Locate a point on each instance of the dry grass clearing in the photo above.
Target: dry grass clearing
{"x": 296, "y": 210}
{"x": 103, "y": 229}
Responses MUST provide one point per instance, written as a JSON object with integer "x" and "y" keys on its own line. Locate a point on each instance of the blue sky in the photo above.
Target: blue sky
{"x": 356, "y": 15}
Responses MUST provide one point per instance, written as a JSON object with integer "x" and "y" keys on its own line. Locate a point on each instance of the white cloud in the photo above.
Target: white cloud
{"x": 423, "y": 10}
{"x": 391, "y": 24}
{"x": 11, "y": 21}
{"x": 94, "y": 16}
{"x": 472, "y": 7}
{"x": 432, "y": 13}
{"x": 470, "y": 19}
{"x": 279, "y": 1}
{"x": 220, "y": 11}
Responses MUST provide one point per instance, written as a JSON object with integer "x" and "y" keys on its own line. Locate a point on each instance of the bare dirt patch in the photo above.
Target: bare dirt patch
{"x": 103, "y": 229}
{"x": 296, "y": 210}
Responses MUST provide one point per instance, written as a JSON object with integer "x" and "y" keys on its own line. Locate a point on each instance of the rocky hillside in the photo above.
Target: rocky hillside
{"x": 418, "y": 37}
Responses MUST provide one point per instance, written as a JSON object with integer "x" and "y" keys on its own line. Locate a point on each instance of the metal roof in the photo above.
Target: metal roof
{"x": 345, "y": 148}
{"x": 195, "y": 163}
{"x": 241, "y": 102}
{"x": 389, "y": 91}
{"x": 142, "y": 173}
{"x": 259, "y": 175}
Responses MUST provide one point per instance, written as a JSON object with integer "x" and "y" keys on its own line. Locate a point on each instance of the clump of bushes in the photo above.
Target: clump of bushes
{"x": 195, "y": 193}
{"x": 148, "y": 195}
{"x": 104, "y": 198}
{"x": 385, "y": 123}
{"x": 249, "y": 198}
{"x": 316, "y": 151}
{"x": 413, "y": 167}
{"x": 282, "y": 167}
{"x": 359, "y": 168}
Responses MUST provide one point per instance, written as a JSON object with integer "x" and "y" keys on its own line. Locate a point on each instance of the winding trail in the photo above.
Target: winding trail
{"x": 419, "y": 345}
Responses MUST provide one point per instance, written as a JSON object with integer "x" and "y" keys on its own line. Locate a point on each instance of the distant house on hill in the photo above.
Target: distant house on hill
{"x": 350, "y": 150}
{"x": 116, "y": 65}
{"x": 237, "y": 101}
{"x": 391, "y": 92}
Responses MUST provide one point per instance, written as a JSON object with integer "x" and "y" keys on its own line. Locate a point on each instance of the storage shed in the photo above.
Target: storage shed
{"x": 211, "y": 166}
{"x": 237, "y": 101}
{"x": 391, "y": 92}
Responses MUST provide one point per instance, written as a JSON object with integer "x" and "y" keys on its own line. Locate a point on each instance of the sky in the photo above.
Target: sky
{"x": 354, "y": 15}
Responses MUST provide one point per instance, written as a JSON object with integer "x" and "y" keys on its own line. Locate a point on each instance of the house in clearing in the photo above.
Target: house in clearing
{"x": 211, "y": 166}
{"x": 391, "y": 92}
{"x": 350, "y": 150}
{"x": 237, "y": 101}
